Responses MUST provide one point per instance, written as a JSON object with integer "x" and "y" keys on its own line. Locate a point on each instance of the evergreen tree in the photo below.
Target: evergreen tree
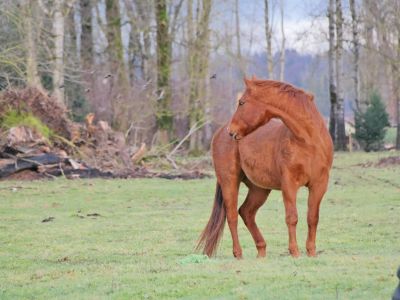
{"x": 370, "y": 125}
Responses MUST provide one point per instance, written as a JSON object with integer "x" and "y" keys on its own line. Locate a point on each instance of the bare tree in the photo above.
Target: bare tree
{"x": 87, "y": 51}
{"x": 30, "y": 9}
{"x": 240, "y": 58}
{"x": 396, "y": 69}
{"x": 340, "y": 128}
{"x": 356, "y": 53}
{"x": 397, "y": 89}
{"x": 283, "y": 50}
{"x": 164, "y": 113}
{"x": 268, "y": 34}
{"x": 198, "y": 55}
{"x": 237, "y": 24}
{"x": 117, "y": 64}
{"x": 58, "y": 31}
{"x": 331, "y": 66}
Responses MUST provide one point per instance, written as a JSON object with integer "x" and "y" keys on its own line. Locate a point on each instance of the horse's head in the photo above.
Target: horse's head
{"x": 250, "y": 113}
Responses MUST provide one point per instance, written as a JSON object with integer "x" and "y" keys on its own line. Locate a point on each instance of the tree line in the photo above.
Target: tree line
{"x": 161, "y": 69}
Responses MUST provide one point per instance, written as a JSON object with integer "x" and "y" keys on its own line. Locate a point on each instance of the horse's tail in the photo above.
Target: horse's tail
{"x": 212, "y": 233}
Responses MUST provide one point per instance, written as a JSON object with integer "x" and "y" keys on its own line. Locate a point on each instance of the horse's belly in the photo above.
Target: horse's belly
{"x": 263, "y": 178}
{"x": 260, "y": 169}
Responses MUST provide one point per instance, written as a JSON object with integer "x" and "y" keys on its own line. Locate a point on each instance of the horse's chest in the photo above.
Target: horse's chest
{"x": 260, "y": 168}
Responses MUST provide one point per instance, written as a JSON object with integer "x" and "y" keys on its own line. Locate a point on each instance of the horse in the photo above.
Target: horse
{"x": 276, "y": 140}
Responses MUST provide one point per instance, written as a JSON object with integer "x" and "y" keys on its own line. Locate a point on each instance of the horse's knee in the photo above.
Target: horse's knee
{"x": 291, "y": 219}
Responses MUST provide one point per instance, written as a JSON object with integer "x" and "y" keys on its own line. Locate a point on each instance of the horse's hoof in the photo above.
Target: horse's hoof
{"x": 294, "y": 253}
{"x": 262, "y": 253}
{"x": 311, "y": 253}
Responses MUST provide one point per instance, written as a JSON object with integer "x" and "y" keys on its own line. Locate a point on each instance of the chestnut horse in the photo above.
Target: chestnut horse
{"x": 276, "y": 140}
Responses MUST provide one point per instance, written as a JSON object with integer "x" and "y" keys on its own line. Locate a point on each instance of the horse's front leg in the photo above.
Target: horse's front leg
{"x": 316, "y": 193}
{"x": 289, "y": 192}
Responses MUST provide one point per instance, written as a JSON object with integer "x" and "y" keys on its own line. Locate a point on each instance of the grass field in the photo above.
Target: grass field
{"x": 140, "y": 245}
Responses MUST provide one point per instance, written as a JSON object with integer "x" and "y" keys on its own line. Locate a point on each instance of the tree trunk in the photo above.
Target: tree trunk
{"x": 58, "y": 30}
{"x": 119, "y": 74}
{"x": 31, "y": 39}
{"x": 368, "y": 81}
{"x": 331, "y": 66}
{"x": 73, "y": 90}
{"x": 268, "y": 34}
{"x": 198, "y": 55}
{"x": 192, "y": 57}
{"x": 282, "y": 56}
{"x": 139, "y": 13}
{"x": 164, "y": 113}
{"x": 397, "y": 108}
{"x": 356, "y": 52}
{"x": 241, "y": 62}
{"x": 204, "y": 135}
{"x": 86, "y": 49}
{"x": 340, "y": 128}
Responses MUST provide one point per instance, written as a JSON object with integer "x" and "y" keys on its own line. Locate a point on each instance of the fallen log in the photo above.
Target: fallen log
{"x": 29, "y": 163}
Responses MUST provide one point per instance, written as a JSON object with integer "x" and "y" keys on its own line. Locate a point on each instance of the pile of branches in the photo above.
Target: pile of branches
{"x": 53, "y": 145}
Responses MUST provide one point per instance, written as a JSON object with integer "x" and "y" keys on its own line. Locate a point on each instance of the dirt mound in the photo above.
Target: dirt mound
{"x": 47, "y": 109}
{"x": 390, "y": 161}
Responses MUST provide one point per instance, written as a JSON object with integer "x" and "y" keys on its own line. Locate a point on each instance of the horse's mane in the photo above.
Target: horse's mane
{"x": 284, "y": 88}
{"x": 297, "y": 100}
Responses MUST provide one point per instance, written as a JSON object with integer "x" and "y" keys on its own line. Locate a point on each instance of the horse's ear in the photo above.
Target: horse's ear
{"x": 253, "y": 77}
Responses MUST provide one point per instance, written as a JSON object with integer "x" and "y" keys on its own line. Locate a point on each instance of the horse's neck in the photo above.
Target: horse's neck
{"x": 304, "y": 128}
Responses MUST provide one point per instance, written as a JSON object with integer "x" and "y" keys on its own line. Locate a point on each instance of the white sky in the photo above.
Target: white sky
{"x": 305, "y": 25}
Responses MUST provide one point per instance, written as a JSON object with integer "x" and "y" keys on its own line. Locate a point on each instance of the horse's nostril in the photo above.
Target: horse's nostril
{"x": 231, "y": 133}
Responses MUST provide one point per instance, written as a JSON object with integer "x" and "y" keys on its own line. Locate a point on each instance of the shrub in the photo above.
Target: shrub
{"x": 370, "y": 125}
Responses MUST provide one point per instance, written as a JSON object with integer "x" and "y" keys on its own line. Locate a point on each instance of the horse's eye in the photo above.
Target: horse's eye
{"x": 241, "y": 102}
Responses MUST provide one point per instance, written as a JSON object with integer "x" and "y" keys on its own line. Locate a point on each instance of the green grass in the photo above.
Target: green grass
{"x": 141, "y": 247}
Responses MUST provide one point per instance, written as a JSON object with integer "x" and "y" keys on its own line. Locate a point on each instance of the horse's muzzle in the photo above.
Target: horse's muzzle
{"x": 233, "y": 134}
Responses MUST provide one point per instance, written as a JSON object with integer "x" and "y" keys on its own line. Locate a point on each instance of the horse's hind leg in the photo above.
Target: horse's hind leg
{"x": 316, "y": 193}
{"x": 230, "y": 190}
{"x": 256, "y": 197}
{"x": 227, "y": 168}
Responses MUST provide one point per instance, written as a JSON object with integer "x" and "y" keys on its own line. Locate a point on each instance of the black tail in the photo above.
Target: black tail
{"x": 211, "y": 235}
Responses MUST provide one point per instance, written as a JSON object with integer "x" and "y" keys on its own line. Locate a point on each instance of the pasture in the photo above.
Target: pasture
{"x": 134, "y": 239}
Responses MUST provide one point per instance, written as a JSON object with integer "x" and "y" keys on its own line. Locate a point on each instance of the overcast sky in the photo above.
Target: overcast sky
{"x": 305, "y": 24}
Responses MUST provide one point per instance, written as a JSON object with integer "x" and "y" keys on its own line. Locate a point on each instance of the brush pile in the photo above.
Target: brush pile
{"x": 39, "y": 140}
